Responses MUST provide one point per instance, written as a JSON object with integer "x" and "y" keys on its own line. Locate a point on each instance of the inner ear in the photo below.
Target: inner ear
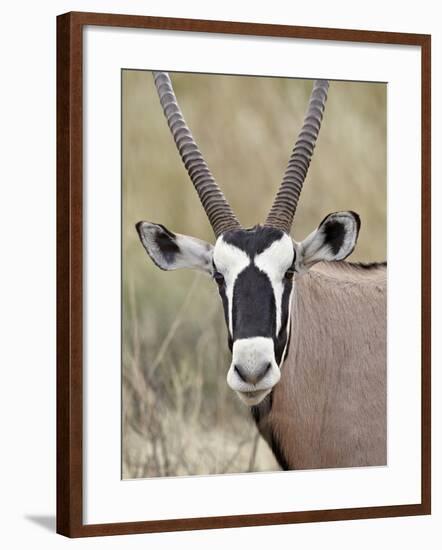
{"x": 160, "y": 244}
{"x": 340, "y": 231}
{"x": 334, "y": 240}
{"x": 166, "y": 241}
{"x": 171, "y": 251}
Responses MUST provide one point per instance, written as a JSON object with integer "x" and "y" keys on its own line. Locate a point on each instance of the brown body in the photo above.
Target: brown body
{"x": 326, "y": 406}
{"x": 329, "y": 408}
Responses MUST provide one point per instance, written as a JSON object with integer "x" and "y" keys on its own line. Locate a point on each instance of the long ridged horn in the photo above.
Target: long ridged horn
{"x": 215, "y": 204}
{"x": 284, "y": 206}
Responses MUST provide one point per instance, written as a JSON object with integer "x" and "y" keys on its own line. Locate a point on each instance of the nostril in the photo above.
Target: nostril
{"x": 263, "y": 371}
{"x": 240, "y": 372}
{"x": 254, "y": 376}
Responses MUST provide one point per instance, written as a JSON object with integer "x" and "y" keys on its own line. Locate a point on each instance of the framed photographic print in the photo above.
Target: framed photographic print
{"x": 243, "y": 222}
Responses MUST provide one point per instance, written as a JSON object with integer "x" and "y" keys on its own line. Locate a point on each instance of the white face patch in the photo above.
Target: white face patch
{"x": 229, "y": 261}
{"x": 274, "y": 261}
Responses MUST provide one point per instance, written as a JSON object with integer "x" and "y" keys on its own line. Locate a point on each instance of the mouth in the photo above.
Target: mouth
{"x": 252, "y": 398}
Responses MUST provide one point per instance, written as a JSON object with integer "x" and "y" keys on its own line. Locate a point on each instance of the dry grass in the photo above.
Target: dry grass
{"x": 179, "y": 416}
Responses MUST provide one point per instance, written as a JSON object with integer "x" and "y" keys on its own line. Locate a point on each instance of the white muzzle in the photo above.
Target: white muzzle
{"x": 253, "y": 371}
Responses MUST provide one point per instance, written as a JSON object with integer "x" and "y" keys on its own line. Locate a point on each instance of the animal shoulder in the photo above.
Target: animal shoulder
{"x": 351, "y": 272}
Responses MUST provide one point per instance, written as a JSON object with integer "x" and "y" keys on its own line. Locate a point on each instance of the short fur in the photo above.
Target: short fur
{"x": 329, "y": 408}
{"x": 325, "y": 406}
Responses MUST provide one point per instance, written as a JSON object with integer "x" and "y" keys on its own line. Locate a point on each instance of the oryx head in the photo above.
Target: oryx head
{"x": 255, "y": 269}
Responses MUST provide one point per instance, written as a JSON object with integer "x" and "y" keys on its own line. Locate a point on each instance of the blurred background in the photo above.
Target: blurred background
{"x": 179, "y": 416}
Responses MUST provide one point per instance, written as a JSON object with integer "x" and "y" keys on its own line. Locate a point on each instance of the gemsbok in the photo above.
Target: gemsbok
{"x": 307, "y": 330}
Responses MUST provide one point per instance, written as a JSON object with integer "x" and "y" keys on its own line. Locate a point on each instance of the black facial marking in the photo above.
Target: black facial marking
{"x": 254, "y": 309}
{"x": 222, "y": 293}
{"x": 254, "y": 240}
{"x": 280, "y": 340}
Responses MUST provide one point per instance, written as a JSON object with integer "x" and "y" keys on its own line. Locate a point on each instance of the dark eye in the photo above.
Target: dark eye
{"x": 289, "y": 274}
{"x": 291, "y": 270}
{"x": 219, "y": 279}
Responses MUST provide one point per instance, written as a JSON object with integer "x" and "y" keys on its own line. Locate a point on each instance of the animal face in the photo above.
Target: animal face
{"x": 254, "y": 271}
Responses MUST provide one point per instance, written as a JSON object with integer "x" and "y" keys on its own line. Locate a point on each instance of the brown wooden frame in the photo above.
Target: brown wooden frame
{"x": 70, "y": 266}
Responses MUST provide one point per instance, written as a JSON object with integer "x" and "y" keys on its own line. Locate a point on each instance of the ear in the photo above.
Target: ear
{"x": 173, "y": 251}
{"x": 335, "y": 239}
